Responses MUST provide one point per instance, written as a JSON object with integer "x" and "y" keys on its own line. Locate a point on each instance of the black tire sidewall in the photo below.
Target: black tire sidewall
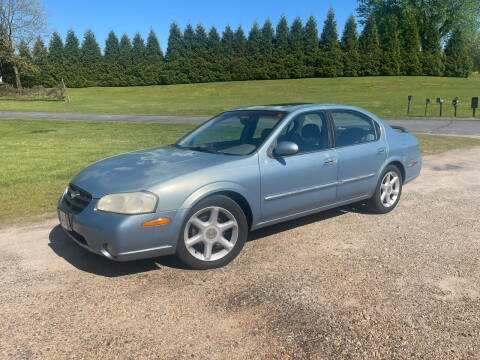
{"x": 227, "y": 203}
{"x": 375, "y": 202}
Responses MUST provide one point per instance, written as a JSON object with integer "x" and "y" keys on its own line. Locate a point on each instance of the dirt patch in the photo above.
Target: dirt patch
{"x": 340, "y": 284}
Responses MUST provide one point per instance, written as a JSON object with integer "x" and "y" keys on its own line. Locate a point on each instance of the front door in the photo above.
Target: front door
{"x": 306, "y": 180}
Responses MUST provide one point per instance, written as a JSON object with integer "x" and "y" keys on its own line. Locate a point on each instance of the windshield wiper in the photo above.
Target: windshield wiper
{"x": 197, "y": 148}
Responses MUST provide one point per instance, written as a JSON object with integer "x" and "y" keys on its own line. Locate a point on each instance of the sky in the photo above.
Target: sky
{"x": 129, "y": 17}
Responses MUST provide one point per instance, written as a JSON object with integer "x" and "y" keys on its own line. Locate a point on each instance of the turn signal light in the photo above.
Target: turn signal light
{"x": 161, "y": 221}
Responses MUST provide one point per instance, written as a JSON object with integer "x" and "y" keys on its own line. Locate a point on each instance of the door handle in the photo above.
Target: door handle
{"x": 330, "y": 161}
{"x": 381, "y": 151}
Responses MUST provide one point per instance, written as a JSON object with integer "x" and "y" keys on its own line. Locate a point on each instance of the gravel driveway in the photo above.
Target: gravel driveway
{"x": 341, "y": 284}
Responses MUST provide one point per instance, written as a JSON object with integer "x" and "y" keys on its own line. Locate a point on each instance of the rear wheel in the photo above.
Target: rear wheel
{"x": 388, "y": 191}
{"x": 213, "y": 233}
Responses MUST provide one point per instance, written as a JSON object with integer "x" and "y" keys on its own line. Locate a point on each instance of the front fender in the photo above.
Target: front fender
{"x": 222, "y": 186}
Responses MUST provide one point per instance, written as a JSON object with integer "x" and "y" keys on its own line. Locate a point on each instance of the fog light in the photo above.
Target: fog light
{"x": 161, "y": 221}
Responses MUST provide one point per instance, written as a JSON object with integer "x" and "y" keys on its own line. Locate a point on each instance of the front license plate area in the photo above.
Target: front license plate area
{"x": 65, "y": 220}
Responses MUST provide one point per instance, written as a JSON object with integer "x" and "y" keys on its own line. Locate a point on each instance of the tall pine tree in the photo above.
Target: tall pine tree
{"x": 217, "y": 67}
{"x": 256, "y": 63}
{"x": 91, "y": 58}
{"x": 71, "y": 50}
{"x": 268, "y": 34}
{"x": 349, "y": 45}
{"x": 370, "y": 53}
{"x": 175, "y": 56}
{"x": 55, "y": 57}
{"x": 138, "y": 60}
{"x": 457, "y": 57}
{"x": 296, "y": 37}
{"x": 310, "y": 46}
{"x": 410, "y": 44}
{"x": 154, "y": 72}
{"x": 431, "y": 55}
{"x": 391, "y": 58}
{"x": 227, "y": 51}
{"x": 125, "y": 61}
{"x": 239, "y": 59}
{"x": 282, "y": 49}
{"x": 40, "y": 59}
{"x": 330, "y": 62}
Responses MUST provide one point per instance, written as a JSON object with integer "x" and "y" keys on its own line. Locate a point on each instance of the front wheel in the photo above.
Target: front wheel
{"x": 213, "y": 233}
{"x": 388, "y": 191}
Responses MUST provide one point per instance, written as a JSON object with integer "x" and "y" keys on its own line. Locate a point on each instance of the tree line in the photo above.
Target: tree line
{"x": 390, "y": 43}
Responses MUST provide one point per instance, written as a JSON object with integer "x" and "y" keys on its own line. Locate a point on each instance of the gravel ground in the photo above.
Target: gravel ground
{"x": 341, "y": 284}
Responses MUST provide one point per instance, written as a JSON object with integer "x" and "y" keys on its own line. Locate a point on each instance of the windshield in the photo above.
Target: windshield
{"x": 233, "y": 132}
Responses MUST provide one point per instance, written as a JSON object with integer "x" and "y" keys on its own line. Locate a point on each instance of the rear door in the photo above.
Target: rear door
{"x": 361, "y": 153}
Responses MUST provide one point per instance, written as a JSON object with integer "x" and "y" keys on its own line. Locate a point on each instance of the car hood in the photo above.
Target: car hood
{"x": 140, "y": 170}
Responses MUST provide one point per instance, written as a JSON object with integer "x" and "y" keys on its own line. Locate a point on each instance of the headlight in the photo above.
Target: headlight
{"x": 128, "y": 203}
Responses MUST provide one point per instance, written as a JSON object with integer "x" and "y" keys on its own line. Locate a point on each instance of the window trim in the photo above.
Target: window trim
{"x": 333, "y": 128}
{"x": 273, "y": 145}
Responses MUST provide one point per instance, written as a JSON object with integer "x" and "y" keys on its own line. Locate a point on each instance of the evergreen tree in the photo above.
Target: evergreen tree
{"x": 154, "y": 71}
{"x": 40, "y": 59}
{"x": 55, "y": 57}
{"x": 391, "y": 58}
{"x": 175, "y": 56}
{"x": 55, "y": 48}
{"x": 201, "y": 69}
{"x": 410, "y": 45}
{"x": 431, "y": 55}
{"x": 281, "y": 46}
{"x": 138, "y": 60}
{"x": 72, "y": 46}
{"x": 330, "y": 63}
{"x": 227, "y": 52}
{"x": 91, "y": 59}
{"x": 111, "y": 47}
{"x": 72, "y": 77}
{"x": 310, "y": 44}
{"x": 296, "y": 37}
{"x": 239, "y": 60}
{"x": 268, "y": 34}
{"x": 255, "y": 58}
{"x": 175, "y": 44}
{"x": 217, "y": 66}
{"x": 370, "y": 53}
{"x": 457, "y": 57}
{"x": 27, "y": 69}
{"x": 125, "y": 61}
{"x": 153, "y": 49}
{"x": 188, "y": 66}
{"x": 349, "y": 46}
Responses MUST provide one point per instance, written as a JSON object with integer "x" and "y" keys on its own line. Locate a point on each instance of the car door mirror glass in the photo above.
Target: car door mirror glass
{"x": 285, "y": 148}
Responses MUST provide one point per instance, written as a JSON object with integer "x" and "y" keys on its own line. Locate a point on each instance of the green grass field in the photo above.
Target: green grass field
{"x": 384, "y": 96}
{"x": 39, "y": 157}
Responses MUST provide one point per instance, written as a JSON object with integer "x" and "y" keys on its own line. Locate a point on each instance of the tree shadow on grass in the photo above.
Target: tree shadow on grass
{"x": 86, "y": 261}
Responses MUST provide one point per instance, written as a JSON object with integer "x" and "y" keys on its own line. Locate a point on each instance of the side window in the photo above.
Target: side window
{"x": 309, "y": 131}
{"x": 352, "y": 127}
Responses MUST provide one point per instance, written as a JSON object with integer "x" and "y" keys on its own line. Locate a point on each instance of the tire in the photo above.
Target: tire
{"x": 390, "y": 184}
{"x": 213, "y": 233}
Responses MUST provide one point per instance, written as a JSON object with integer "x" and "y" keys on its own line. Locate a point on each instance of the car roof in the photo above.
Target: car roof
{"x": 290, "y": 107}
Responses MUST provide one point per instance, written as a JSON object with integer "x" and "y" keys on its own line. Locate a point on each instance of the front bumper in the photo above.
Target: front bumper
{"x": 122, "y": 237}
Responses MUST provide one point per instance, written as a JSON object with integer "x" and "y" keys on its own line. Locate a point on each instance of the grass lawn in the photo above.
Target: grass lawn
{"x": 384, "y": 96}
{"x": 39, "y": 157}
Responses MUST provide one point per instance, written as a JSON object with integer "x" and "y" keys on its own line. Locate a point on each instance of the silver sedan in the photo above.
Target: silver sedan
{"x": 242, "y": 170}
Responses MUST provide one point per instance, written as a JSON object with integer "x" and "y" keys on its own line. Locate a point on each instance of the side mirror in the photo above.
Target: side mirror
{"x": 285, "y": 148}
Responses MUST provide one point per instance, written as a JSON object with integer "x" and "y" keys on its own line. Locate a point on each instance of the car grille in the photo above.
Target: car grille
{"x": 76, "y": 199}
